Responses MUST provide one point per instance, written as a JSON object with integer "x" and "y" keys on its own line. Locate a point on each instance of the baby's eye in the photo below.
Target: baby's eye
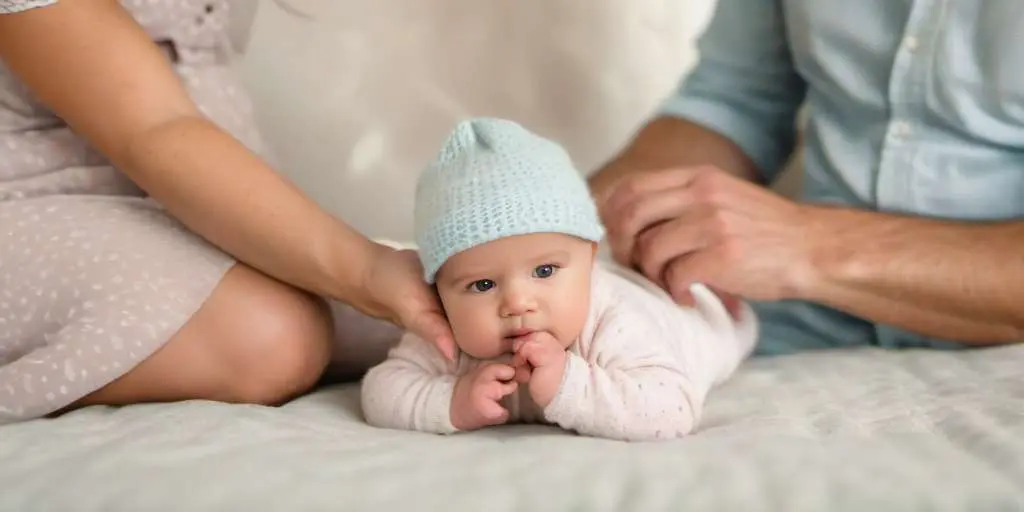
{"x": 544, "y": 271}
{"x": 482, "y": 285}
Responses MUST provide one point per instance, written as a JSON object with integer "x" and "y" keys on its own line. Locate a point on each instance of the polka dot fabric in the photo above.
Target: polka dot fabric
{"x": 11, "y": 6}
{"x": 94, "y": 276}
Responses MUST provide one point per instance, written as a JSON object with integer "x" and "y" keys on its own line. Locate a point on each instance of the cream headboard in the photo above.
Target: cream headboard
{"x": 357, "y": 99}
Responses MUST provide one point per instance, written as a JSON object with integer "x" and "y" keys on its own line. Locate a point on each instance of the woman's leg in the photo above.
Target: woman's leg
{"x": 280, "y": 355}
{"x": 106, "y": 300}
{"x": 255, "y": 340}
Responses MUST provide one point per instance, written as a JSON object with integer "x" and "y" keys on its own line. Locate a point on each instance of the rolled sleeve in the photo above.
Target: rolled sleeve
{"x": 745, "y": 85}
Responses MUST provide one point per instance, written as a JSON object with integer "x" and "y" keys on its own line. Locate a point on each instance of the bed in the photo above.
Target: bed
{"x": 850, "y": 430}
{"x": 846, "y": 430}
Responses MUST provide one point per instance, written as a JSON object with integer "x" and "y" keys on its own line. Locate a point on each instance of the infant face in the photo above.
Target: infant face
{"x": 498, "y": 291}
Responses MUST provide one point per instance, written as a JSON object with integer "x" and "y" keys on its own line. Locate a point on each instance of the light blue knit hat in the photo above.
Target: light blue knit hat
{"x": 493, "y": 179}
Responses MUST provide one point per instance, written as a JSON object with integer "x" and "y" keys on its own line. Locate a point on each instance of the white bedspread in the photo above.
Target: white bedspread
{"x": 841, "y": 431}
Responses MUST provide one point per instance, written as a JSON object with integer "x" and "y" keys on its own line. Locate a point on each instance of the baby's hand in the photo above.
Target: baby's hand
{"x": 476, "y": 400}
{"x": 545, "y": 358}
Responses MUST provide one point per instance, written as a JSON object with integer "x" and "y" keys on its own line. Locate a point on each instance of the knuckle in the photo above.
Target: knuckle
{"x": 731, "y": 250}
{"x": 618, "y": 195}
{"x": 631, "y": 215}
{"x": 708, "y": 169}
{"x": 708, "y": 187}
{"x": 628, "y": 186}
{"x": 702, "y": 194}
{"x": 718, "y": 221}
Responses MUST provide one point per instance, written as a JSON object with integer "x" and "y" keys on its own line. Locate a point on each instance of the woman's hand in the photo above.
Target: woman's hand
{"x": 395, "y": 290}
{"x": 133, "y": 108}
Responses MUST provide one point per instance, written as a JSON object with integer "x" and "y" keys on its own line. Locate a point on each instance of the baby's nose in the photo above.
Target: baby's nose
{"x": 517, "y": 304}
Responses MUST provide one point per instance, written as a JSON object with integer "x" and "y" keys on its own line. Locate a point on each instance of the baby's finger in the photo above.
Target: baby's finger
{"x": 496, "y": 371}
{"x": 547, "y": 338}
{"x": 496, "y": 389}
{"x": 517, "y": 360}
{"x": 493, "y": 411}
{"x": 528, "y": 353}
{"x": 507, "y": 388}
{"x": 518, "y": 344}
{"x": 523, "y": 373}
{"x": 533, "y": 353}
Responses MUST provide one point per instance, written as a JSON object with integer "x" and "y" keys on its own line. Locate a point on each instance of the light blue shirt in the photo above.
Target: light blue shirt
{"x": 915, "y": 106}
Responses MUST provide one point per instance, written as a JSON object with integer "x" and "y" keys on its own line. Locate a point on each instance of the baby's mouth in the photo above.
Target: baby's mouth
{"x": 518, "y": 333}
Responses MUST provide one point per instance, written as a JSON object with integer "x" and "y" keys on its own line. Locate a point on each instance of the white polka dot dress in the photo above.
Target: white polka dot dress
{"x": 94, "y": 276}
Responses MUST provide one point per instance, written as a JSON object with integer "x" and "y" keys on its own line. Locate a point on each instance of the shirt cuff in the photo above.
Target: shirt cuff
{"x": 564, "y": 405}
{"x": 438, "y": 414}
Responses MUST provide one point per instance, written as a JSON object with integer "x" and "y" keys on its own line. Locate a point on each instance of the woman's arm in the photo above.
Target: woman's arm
{"x": 98, "y": 70}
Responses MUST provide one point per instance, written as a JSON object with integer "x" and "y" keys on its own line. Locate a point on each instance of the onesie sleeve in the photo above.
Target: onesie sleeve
{"x": 13, "y": 6}
{"x": 411, "y": 390}
{"x": 629, "y": 387}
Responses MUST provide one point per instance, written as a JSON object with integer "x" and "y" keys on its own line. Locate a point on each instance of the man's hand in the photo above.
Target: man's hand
{"x": 686, "y": 225}
{"x": 544, "y": 357}
{"x": 476, "y": 400}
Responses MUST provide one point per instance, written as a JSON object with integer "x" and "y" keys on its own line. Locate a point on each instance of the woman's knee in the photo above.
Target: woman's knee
{"x": 254, "y": 340}
{"x": 273, "y": 341}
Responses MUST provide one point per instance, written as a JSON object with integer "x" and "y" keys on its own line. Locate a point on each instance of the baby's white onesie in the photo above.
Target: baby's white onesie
{"x": 640, "y": 370}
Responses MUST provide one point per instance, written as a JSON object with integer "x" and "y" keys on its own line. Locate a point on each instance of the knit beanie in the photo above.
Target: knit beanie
{"x": 494, "y": 179}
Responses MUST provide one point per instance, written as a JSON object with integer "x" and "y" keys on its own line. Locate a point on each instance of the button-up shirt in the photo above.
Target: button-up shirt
{"x": 915, "y": 106}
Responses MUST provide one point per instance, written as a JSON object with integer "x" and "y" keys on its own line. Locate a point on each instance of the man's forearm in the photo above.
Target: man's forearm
{"x": 669, "y": 142}
{"x": 953, "y": 280}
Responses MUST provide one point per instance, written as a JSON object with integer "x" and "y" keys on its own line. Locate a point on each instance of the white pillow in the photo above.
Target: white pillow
{"x": 355, "y": 101}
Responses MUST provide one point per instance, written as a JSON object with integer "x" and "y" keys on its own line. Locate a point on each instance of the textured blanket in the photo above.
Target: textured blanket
{"x": 854, "y": 430}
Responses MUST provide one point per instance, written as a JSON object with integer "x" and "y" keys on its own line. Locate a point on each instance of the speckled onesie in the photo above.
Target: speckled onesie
{"x": 95, "y": 277}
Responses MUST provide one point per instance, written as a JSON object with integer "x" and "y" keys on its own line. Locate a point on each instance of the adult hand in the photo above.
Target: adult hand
{"x": 397, "y": 292}
{"x": 686, "y": 225}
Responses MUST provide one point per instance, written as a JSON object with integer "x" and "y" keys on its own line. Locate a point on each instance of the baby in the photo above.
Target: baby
{"x": 547, "y": 332}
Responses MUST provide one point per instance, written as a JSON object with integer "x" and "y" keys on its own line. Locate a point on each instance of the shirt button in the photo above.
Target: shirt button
{"x": 910, "y": 43}
{"x": 900, "y": 129}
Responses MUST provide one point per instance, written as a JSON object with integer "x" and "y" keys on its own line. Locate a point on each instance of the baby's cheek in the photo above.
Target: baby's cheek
{"x": 475, "y": 324}
{"x": 571, "y": 312}
{"x": 477, "y": 337}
